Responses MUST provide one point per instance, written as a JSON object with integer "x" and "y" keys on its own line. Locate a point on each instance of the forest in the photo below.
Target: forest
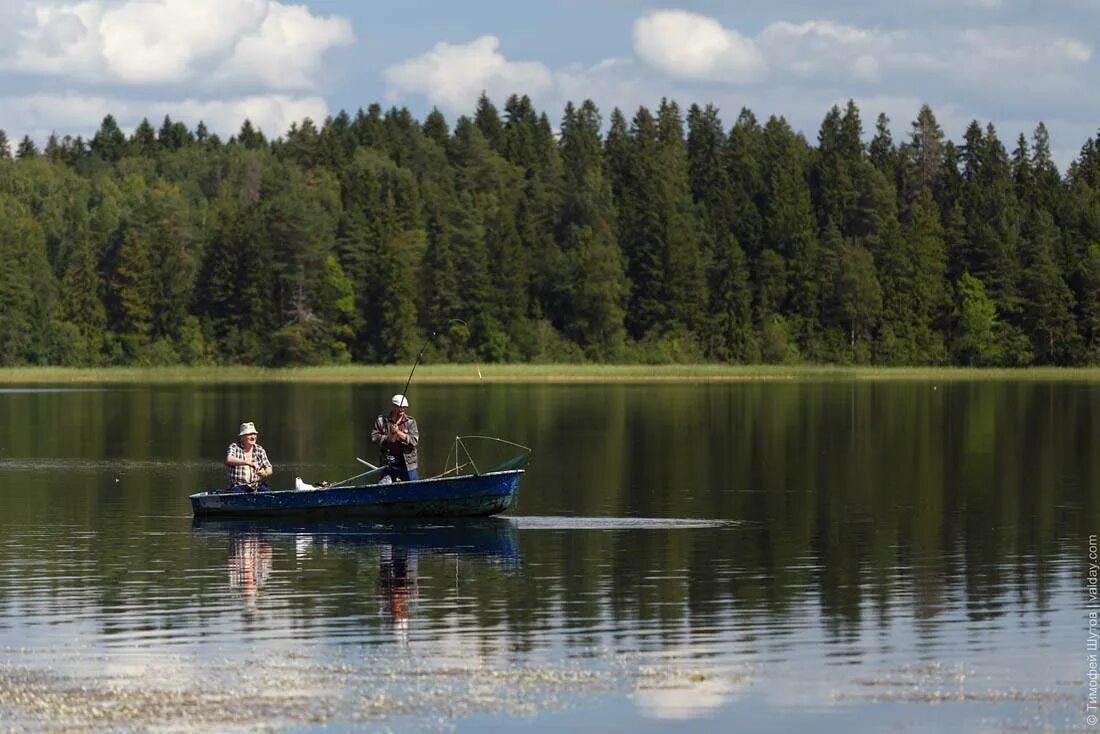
{"x": 663, "y": 238}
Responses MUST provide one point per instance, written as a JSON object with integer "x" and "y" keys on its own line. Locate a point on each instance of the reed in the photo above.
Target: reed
{"x": 459, "y": 373}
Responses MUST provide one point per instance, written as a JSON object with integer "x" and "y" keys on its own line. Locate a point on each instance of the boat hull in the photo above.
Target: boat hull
{"x": 465, "y": 496}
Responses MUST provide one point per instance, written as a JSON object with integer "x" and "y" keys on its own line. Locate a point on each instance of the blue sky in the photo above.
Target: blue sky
{"x": 66, "y": 63}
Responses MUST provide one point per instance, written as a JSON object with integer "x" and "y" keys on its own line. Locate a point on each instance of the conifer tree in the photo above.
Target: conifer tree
{"x": 925, "y": 152}
{"x": 435, "y": 128}
{"x": 487, "y": 119}
{"x": 26, "y": 149}
{"x": 144, "y": 140}
{"x": 53, "y": 150}
{"x": 173, "y": 135}
{"x": 744, "y": 154}
{"x": 131, "y": 289}
{"x": 641, "y": 235}
{"x": 440, "y": 276}
{"x": 992, "y": 230}
{"x": 727, "y": 331}
{"x": 368, "y": 127}
{"x": 593, "y": 286}
{"x": 109, "y": 143}
{"x": 685, "y": 264}
{"x": 250, "y": 137}
{"x": 176, "y": 257}
{"x": 912, "y": 264}
{"x": 20, "y": 236}
{"x": 882, "y": 151}
{"x": 1047, "y": 301}
{"x": 789, "y": 229}
{"x": 81, "y": 304}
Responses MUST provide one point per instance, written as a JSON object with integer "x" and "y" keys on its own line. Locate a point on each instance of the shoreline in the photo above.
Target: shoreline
{"x": 526, "y": 373}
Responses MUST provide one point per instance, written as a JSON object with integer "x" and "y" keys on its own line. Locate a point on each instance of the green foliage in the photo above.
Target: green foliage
{"x": 354, "y": 238}
{"x": 977, "y": 344}
{"x": 592, "y": 286}
{"x": 26, "y": 287}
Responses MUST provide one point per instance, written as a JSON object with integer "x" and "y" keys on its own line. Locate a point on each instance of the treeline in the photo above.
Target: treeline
{"x": 653, "y": 239}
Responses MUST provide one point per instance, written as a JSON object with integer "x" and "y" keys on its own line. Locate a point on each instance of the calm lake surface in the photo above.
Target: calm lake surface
{"x": 769, "y": 556}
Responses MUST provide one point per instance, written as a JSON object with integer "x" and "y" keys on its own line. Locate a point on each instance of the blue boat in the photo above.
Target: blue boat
{"x": 469, "y": 495}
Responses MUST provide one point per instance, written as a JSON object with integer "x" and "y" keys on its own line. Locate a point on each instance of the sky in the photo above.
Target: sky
{"x": 64, "y": 64}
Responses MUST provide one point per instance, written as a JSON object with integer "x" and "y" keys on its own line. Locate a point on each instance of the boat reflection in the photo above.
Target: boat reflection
{"x": 399, "y": 545}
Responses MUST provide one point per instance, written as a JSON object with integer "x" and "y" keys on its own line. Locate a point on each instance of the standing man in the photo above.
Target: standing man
{"x": 247, "y": 462}
{"x": 397, "y": 437}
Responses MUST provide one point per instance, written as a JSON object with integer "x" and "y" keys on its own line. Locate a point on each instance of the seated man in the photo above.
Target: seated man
{"x": 247, "y": 462}
{"x": 397, "y": 437}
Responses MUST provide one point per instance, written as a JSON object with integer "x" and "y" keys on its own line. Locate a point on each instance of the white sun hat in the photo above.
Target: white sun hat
{"x": 400, "y": 401}
{"x": 247, "y": 427}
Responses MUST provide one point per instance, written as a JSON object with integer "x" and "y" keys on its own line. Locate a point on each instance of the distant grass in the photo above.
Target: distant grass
{"x": 458, "y": 373}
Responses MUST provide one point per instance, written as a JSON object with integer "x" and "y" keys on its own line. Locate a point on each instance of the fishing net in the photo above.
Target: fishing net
{"x": 487, "y": 456}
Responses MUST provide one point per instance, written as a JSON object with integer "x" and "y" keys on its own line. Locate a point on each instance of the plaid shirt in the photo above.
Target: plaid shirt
{"x": 242, "y": 474}
{"x": 394, "y": 451}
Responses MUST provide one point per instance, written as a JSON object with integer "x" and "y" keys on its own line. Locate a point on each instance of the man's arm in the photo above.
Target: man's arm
{"x": 263, "y": 466}
{"x": 233, "y": 457}
{"x": 411, "y": 435}
{"x": 377, "y": 436}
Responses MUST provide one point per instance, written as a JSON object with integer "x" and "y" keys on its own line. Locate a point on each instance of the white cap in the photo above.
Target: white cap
{"x": 247, "y": 428}
{"x": 400, "y": 401}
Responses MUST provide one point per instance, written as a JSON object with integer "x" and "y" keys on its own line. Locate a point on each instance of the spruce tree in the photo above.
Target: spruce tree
{"x": 641, "y": 234}
{"x": 19, "y": 237}
{"x": 727, "y": 329}
{"x": 992, "y": 235}
{"x": 435, "y": 128}
{"x": 250, "y": 137}
{"x": 487, "y": 119}
{"x": 925, "y": 153}
{"x": 81, "y": 304}
{"x": 789, "y": 229}
{"x": 593, "y": 286}
{"x": 109, "y": 144}
{"x": 882, "y": 152}
{"x": 685, "y": 264}
{"x": 144, "y": 140}
{"x": 744, "y": 154}
{"x": 1047, "y": 301}
{"x": 26, "y": 149}
{"x": 131, "y": 289}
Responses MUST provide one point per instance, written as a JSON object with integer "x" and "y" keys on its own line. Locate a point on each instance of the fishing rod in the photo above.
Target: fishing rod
{"x": 428, "y": 341}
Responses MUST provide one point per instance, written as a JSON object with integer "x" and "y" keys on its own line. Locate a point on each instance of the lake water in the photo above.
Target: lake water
{"x": 690, "y": 557}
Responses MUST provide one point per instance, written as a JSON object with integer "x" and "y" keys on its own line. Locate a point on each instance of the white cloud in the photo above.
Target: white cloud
{"x": 285, "y": 52}
{"x": 698, "y": 48}
{"x": 689, "y": 45}
{"x": 453, "y": 75}
{"x": 59, "y": 40}
{"x": 150, "y": 42}
{"x": 175, "y": 41}
{"x": 38, "y": 115}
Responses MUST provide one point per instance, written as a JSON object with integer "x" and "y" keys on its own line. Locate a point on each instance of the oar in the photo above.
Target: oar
{"x": 364, "y": 462}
